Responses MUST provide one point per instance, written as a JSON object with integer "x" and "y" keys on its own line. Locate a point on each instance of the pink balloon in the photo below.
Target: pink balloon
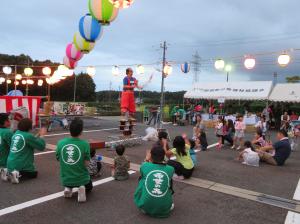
{"x": 73, "y": 53}
{"x": 70, "y": 63}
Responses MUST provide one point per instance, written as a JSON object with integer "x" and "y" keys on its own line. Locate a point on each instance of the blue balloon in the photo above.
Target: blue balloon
{"x": 90, "y": 29}
{"x": 185, "y": 67}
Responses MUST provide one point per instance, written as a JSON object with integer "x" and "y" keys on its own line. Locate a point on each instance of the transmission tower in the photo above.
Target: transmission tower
{"x": 196, "y": 65}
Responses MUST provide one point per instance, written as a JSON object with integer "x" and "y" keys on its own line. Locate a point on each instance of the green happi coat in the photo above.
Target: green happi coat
{"x": 5, "y": 140}
{"x": 72, "y": 154}
{"x": 21, "y": 155}
{"x": 154, "y": 192}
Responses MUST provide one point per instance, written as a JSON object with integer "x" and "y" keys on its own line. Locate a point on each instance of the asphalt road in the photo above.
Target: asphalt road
{"x": 112, "y": 202}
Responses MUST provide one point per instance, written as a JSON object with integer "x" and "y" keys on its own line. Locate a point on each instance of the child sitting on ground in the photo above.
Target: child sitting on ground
{"x": 20, "y": 161}
{"x": 95, "y": 165}
{"x": 121, "y": 164}
{"x": 249, "y": 156}
{"x": 183, "y": 164}
{"x": 5, "y": 136}
{"x": 192, "y": 151}
{"x": 153, "y": 195}
{"x": 259, "y": 139}
{"x": 73, "y": 155}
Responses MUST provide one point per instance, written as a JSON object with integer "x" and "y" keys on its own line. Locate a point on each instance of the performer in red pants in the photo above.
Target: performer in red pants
{"x": 127, "y": 99}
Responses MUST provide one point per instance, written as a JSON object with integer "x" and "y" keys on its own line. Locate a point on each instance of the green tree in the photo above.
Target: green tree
{"x": 292, "y": 79}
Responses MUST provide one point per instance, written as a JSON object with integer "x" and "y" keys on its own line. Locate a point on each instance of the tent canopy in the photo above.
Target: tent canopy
{"x": 252, "y": 90}
{"x": 286, "y": 92}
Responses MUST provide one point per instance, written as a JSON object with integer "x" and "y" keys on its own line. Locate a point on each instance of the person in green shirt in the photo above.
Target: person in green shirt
{"x": 174, "y": 114}
{"x": 20, "y": 161}
{"x": 73, "y": 155}
{"x": 5, "y": 140}
{"x": 153, "y": 195}
{"x": 183, "y": 164}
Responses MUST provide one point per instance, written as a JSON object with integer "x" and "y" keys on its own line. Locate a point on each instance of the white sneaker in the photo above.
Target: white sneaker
{"x": 172, "y": 207}
{"x": 4, "y": 174}
{"x": 14, "y": 178}
{"x": 233, "y": 147}
{"x": 176, "y": 177}
{"x": 81, "y": 194}
{"x": 68, "y": 192}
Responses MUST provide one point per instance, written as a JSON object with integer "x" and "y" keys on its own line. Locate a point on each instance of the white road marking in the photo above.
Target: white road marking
{"x": 297, "y": 192}
{"x": 43, "y": 153}
{"x": 50, "y": 197}
{"x": 293, "y": 217}
{"x": 88, "y": 131}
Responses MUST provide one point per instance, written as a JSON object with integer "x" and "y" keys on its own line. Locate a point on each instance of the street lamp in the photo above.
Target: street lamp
{"x": 228, "y": 69}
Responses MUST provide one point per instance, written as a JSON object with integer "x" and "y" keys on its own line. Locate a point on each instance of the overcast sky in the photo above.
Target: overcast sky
{"x": 219, "y": 28}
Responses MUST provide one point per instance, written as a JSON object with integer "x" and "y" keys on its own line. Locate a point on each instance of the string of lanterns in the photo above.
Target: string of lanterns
{"x": 73, "y": 55}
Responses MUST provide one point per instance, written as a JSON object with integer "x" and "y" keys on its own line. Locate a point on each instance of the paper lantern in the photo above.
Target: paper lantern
{"x": 24, "y": 82}
{"x": 2, "y": 79}
{"x": 249, "y": 63}
{"x": 18, "y": 77}
{"x": 40, "y": 82}
{"x": 7, "y": 70}
{"x": 140, "y": 69}
{"x": 91, "y": 71}
{"x": 70, "y": 63}
{"x": 284, "y": 60}
{"x": 81, "y": 44}
{"x": 73, "y": 53}
{"x": 115, "y": 70}
{"x": 123, "y": 4}
{"x": 8, "y": 81}
{"x": 28, "y": 71}
{"x": 185, "y": 67}
{"x": 219, "y": 64}
{"x": 30, "y": 82}
{"x": 103, "y": 11}
{"x": 168, "y": 70}
{"x": 46, "y": 71}
{"x": 90, "y": 29}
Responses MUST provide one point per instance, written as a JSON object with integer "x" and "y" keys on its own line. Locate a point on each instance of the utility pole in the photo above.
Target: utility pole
{"x": 275, "y": 75}
{"x": 164, "y": 47}
{"x": 196, "y": 66}
{"x": 110, "y": 89}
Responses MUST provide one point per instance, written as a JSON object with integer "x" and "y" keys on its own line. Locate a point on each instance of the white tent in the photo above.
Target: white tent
{"x": 286, "y": 92}
{"x": 252, "y": 90}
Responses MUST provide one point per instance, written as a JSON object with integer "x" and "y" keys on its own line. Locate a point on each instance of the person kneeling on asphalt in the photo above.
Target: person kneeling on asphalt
{"x": 153, "y": 195}
{"x": 73, "y": 155}
{"x": 5, "y": 136}
{"x": 282, "y": 150}
{"x": 20, "y": 161}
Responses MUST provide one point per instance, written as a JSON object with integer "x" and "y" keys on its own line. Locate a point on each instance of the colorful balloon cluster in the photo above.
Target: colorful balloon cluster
{"x": 101, "y": 13}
